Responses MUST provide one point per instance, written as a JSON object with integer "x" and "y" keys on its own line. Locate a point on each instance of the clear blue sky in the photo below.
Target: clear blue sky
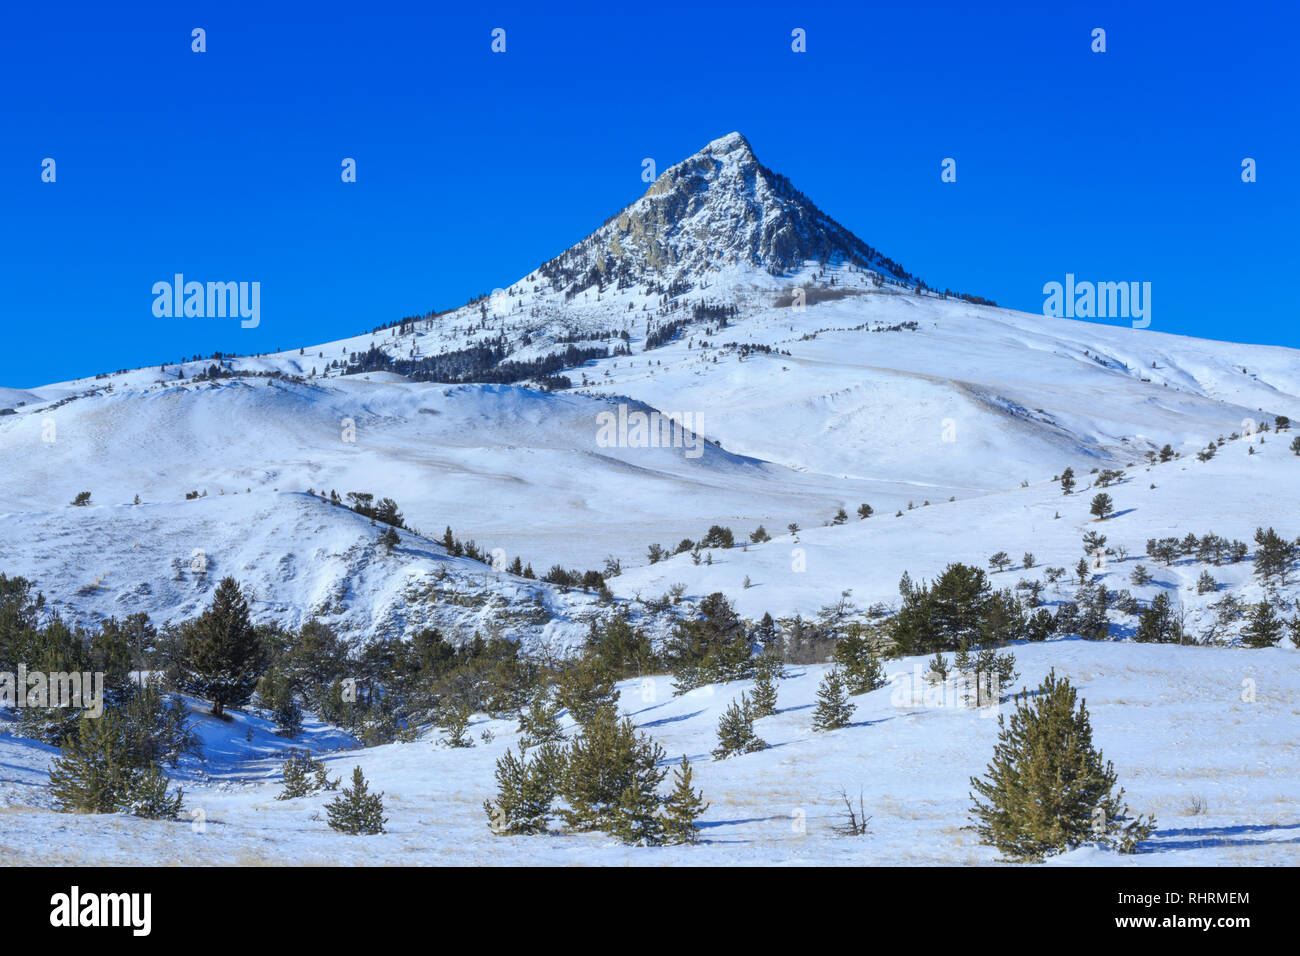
{"x": 473, "y": 168}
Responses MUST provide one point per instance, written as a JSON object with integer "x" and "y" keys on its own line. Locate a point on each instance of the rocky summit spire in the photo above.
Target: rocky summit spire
{"x": 716, "y": 209}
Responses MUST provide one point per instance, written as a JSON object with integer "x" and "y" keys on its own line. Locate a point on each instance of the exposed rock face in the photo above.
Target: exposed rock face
{"x": 718, "y": 208}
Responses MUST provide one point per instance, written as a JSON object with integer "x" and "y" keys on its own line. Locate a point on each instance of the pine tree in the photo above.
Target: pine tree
{"x": 1264, "y": 628}
{"x": 275, "y": 689}
{"x": 602, "y": 763}
{"x": 455, "y": 723}
{"x": 767, "y": 670}
{"x": 938, "y": 668}
{"x": 636, "y": 817}
{"x": 1048, "y": 789}
{"x": 539, "y": 722}
{"x": 1102, "y": 506}
{"x": 1274, "y": 557}
{"x": 587, "y": 687}
{"x": 356, "y": 810}
{"x": 833, "y": 705}
{"x": 98, "y": 771}
{"x": 525, "y": 791}
{"x": 1067, "y": 481}
{"x": 1157, "y": 624}
{"x": 223, "y": 651}
{"x": 91, "y": 773}
{"x": 862, "y": 671}
{"x": 147, "y": 796}
{"x": 736, "y": 730}
{"x": 294, "y": 776}
{"x": 682, "y": 807}
{"x": 301, "y": 775}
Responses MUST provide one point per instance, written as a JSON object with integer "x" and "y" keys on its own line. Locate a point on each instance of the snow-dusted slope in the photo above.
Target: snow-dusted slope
{"x": 1231, "y": 495}
{"x": 872, "y": 392}
{"x": 910, "y": 756}
{"x": 297, "y": 557}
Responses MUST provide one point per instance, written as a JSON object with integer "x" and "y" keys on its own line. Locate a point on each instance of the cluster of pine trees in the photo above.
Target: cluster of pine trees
{"x": 607, "y": 778}
{"x": 114, "y": 762}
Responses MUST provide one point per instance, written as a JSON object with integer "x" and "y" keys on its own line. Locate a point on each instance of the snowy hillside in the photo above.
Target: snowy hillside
{"x": 801, "y": 371}
{"x": 911, "y": 759}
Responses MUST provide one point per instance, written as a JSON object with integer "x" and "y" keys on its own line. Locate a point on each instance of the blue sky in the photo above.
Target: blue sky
{"x": 475, "y": 167}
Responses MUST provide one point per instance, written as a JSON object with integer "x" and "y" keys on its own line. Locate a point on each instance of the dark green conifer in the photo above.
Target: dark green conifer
{"x": 767, "y": 670}
{"x": 1263, "y": 628}
{"x": 223, "y": 651}
{"x": 683, "y": 806}
{"x": 834, "y": 709}
{"x": 1048, "y": 789}
{"x": 356, "y": 810}
{"x": 736, "y": 730}
{"x": 602, "y": 762}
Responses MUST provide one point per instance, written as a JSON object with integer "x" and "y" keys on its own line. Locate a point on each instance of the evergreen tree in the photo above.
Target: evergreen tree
{"x": 1067, "y": 481}
{"x": 223, "y": 651}
{"x": 539, "y": 722}
{"x": 1048, "y": 789}
{"x": 865, "y": 511}
{"x": 586, "y": 688}
{"x": 736, "y": 730}
{"x": 682, "y": 807}
{"x": 712, "y": 646}
{"x": 603, "y": 762}
{"x": 156, "y": 726}
{"x": 301, "y": 775}
{"x": 636, "y": 818}
{"x": 147, "y": 796}
{"x": 1157, "y": 623}
{"x": 1264, "y": 628}
{"x": 938, "y": 670}
{"x": 97, "y": 772}
{"x": 767, "y": 670}
{"x": 357, "y": 811}
{"x": 833, "y": 705}
{"x": 955, "y": 606}
{"x": 525, "y": 791}
{"x": 1274, "y": 557}
{"x": 91, "y": 773}
{"x": 455, "y": 724}
{"x": 1102, "y": 506}
{"x": 863, "y": 673}
{"x": 276, "y": 693}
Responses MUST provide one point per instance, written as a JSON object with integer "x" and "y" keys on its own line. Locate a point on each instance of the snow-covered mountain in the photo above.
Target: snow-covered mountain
{"x": 818, "y": 372}
{"x": 813, "y": 373}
